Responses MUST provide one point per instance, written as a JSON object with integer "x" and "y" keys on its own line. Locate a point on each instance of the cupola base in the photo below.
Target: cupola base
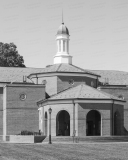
{"x": 63, "y": 59}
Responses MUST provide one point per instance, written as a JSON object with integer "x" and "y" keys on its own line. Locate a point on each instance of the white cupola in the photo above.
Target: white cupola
{"x": 62, "y": 39}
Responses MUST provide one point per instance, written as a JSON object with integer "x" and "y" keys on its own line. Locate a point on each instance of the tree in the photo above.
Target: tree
{"x": 9, "y": 56}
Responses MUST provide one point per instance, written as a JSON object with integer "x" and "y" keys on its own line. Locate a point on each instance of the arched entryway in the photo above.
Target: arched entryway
{"x": 63, "y": 123}
{"x": 93, "y": 123}
{"x": 117, "y": 123}
{"x": 45, "y": 123}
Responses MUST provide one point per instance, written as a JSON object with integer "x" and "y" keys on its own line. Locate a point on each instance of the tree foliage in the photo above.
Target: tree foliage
{"x": 9, "y": 56}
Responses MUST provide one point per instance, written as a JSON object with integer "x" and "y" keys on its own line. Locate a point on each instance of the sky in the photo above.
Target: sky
{"x": 98, "y": 31}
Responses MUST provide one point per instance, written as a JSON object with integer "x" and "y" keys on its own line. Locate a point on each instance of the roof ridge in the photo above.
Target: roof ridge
{"x": 104, "y": 93}
{"x": 88, "y": 92}
{"x": 80, "y": 90}
{"x": 65, "y": 90}
{"x": 78, "y": 67}
{"x": 85, "y": 70}
{"x": 58, "y": 67}
{"x": 61, "y": 92}
{"x": 109, "y": 95}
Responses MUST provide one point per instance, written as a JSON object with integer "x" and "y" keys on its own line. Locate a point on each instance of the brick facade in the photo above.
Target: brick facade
{"x": 78, "y": 114}
{"x": 1, "y": 110}
{"x": 55, "y": 84}
{"x": 51, "y": 84}
{"x": 117, "y": 91}
{"x": 20, "y": 114}
{"x": 63, "y": 82}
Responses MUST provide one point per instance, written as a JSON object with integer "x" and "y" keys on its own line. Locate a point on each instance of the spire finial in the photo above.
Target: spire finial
{"x": 62, "y": 17}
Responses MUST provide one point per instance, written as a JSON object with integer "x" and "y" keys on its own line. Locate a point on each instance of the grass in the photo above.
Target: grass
{"x": 63, "y": 151}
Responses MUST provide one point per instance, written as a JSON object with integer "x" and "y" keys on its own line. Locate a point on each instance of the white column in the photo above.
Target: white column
{"x": 76, "y": 118}
{"x": 42, "y": 110}
{"x": 67, "y": 46}
{"x": 61, "y": 45}
{"x": 57, "y": 46}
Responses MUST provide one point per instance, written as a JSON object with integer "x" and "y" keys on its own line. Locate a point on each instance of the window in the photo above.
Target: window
{"x": 71, "y": 81}
{"x": 67, "y": 46}
{"x": 64, "y": 46}
{"x": 92, "y": 84}
{"x": 44, "y": 82}
{"x": 59, "y": 45}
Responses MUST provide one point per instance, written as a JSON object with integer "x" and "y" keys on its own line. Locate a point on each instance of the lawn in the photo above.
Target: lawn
{"x": 59, "y": 151}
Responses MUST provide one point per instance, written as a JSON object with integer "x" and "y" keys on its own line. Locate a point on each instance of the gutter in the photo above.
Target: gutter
{"x": 47, "y": 101}
{"x": 45, "y": 73}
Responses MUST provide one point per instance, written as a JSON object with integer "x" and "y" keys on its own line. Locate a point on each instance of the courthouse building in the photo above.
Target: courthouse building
{"x": 84, "y": 102}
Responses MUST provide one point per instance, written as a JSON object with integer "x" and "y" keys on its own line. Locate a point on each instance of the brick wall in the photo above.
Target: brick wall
{"x": 22, "y": 114}
{"x": 1, "y": 110}
{"x": 118, "y": 115}
{"x": 116, "y": 91}
{"x": 63, "y": 81}
{"x": 55, "y": 84}
{"x": 78, "y": 114}
{"x": 51, "y": 84}
{"x": 55, "y": 110}
{"x": 103, "y": 108}
{"x": 1, "y": 122}
{"x": 22, "y": 119}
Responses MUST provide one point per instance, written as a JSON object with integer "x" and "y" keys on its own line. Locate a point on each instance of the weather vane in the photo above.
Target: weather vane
{"x": 62, "y": 17}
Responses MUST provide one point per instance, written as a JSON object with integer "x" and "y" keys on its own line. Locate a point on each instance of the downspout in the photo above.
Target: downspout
{"x": 112, "y": 119}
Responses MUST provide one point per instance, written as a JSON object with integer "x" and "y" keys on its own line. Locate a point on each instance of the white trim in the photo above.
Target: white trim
{"x": 63, "y": 74}
{"x": 94, "y": 101}
{"x": 25, "y": 85}
{"x": 118, "y": 102}
{"x": 80, "y": 101}
{"x": 113, "y": 87}
{"x": 76, "y": 118}
{"x": 2, "y": 84}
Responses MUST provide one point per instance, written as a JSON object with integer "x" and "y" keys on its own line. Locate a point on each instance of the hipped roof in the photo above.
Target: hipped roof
{"x": 112, "y": 77}
{"x": 82, "y": 92}
{"x": 64, "y": 68}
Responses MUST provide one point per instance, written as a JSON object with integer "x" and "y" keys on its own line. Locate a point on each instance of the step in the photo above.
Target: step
{"x": 88, "y": 139}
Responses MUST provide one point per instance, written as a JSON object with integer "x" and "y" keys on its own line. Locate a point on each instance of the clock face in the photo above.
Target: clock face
{"x": 23, "y": 96}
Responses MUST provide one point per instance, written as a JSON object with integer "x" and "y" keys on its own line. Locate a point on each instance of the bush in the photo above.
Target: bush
{"x": 25, "y": 132}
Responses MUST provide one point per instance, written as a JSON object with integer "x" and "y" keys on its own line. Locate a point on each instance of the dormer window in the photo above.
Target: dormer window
{"x": 71, "y": 81}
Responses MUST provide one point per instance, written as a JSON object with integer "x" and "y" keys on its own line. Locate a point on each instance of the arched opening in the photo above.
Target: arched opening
{"x": 46, "y": 123}
{"x": 63, "y": 123}
{"x": 93, "y": 123}
{"x": 117, "y": 123}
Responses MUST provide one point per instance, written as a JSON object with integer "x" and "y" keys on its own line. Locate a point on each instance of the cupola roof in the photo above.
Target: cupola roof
{"x": 63, "y": 29}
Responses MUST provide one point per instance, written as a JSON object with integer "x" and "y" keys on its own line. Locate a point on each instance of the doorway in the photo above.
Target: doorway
{"x": 63, "y": 123}
{"x": 93, "y": 123}
{"x": 117, "y": 123}
{"x": 46, "y": 123}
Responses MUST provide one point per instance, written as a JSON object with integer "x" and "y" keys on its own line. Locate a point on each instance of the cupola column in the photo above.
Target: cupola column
{"x": 61, "y": 45}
